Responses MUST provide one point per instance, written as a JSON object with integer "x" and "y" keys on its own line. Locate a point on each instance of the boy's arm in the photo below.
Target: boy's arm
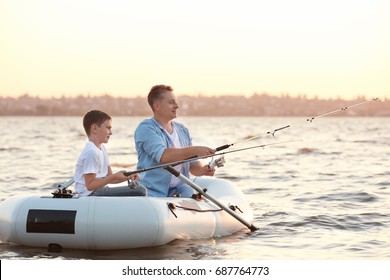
{"x": 109, "y": 171}
{"x": 118, "y": 178}
{"x": 92, "y": 183}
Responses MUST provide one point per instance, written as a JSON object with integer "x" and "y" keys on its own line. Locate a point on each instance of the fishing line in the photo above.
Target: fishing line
{"x": 272, "y": 132}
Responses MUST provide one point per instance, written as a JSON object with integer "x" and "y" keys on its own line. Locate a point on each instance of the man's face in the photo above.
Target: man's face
{"x": 167, "y": 106}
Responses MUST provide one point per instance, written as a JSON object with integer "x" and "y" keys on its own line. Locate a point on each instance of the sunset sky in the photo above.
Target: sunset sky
{"x": 328, "y": 49}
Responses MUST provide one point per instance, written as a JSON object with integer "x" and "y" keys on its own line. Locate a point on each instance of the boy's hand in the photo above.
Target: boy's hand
{"x": 120, "y": 176}
{"x": 135, "y": 177}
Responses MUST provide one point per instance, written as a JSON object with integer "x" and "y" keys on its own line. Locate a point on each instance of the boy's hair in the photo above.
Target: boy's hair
{"x": 94, "y": 117}
{"x": 156, "y": 92}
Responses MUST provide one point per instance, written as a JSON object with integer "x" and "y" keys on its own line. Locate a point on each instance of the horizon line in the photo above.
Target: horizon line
{"x": 280, "y": 95}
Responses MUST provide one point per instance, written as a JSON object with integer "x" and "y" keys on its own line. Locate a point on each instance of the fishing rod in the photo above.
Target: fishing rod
{"x": 174, "y": 163}
{"x": 272, "y": 132}
{"x": 63, "y": 192}
{"x": 223, "y": 147}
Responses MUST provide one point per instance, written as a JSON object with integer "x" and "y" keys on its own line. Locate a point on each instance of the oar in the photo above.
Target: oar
{"x": 176, "y": 173}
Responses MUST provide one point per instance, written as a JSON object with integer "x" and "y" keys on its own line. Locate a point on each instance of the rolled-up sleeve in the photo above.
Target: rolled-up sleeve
{"x": 150, "y": 140}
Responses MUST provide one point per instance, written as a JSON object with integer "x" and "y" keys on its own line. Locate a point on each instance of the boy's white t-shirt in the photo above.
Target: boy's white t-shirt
{"x": 91, "y": 160}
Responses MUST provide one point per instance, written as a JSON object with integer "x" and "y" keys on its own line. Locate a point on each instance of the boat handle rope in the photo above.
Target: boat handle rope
{"x": 173, "y": 206}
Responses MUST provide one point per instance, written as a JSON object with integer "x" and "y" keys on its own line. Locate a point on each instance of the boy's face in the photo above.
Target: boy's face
{"x": 103, "y": 132}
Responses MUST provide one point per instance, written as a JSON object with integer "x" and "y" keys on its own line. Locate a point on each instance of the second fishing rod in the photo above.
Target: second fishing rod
{"x": 310, "y": 120}
{"x": 208, "y": 156}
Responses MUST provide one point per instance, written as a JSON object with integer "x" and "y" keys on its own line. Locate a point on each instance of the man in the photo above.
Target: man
{"x": 160, "y": 140}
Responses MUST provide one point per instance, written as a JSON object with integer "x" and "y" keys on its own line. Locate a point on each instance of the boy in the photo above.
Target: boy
{"x": 93, "y": 171}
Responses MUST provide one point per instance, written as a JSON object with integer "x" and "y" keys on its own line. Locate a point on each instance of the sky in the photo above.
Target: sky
{"x": 324, "y": 49}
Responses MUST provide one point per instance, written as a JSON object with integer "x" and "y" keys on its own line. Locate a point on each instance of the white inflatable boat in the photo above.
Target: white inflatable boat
{"x": 99, "y": 223}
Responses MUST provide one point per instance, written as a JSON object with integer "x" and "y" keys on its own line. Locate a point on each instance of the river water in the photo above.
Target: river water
{"x": 325, "y": 196}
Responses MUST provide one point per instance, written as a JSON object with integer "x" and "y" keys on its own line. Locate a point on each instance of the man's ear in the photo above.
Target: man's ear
{"x": 156, "y": 105}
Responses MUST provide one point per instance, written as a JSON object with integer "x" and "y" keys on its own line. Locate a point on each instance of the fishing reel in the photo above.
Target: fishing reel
{"x": 219, "y": 162}
{"x": 132, "y": 184}
{"x": 62, "y": 191}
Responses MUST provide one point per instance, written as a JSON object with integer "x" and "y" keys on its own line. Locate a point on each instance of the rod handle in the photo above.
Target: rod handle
{"x": 220, "y": 148}
{"x": 128, "y": 173}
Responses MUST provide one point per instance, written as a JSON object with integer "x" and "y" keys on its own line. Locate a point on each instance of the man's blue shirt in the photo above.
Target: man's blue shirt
{"x": 151, "y": 140}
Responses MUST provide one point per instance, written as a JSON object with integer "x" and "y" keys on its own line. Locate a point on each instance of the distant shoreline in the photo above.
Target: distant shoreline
{"x": 255, "y": 105}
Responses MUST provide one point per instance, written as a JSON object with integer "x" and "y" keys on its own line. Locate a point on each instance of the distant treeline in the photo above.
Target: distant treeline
{"x": 255, "y": 105}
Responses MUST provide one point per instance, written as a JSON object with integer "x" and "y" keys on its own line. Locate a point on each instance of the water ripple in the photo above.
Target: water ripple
{"x": 325, "y": 198}
{"x": 342, "y": 196}
{"x": 359, "y": 222}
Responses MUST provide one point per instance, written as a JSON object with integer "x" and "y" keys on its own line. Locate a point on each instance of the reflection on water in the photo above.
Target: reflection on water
{"x": 212, "y": 248}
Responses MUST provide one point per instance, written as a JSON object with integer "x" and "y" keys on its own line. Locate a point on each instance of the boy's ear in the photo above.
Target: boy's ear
{"x": 94, "y": 127}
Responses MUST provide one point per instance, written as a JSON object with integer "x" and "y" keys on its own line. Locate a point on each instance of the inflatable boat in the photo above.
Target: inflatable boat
{"x": 102, "y": 223}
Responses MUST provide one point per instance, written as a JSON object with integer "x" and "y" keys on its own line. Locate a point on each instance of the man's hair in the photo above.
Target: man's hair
{"x": 156, "y": 93}
{"x": 94, "y": 117}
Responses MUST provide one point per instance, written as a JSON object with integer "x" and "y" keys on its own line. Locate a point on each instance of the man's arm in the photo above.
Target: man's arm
{"x": 176, "y": 154}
